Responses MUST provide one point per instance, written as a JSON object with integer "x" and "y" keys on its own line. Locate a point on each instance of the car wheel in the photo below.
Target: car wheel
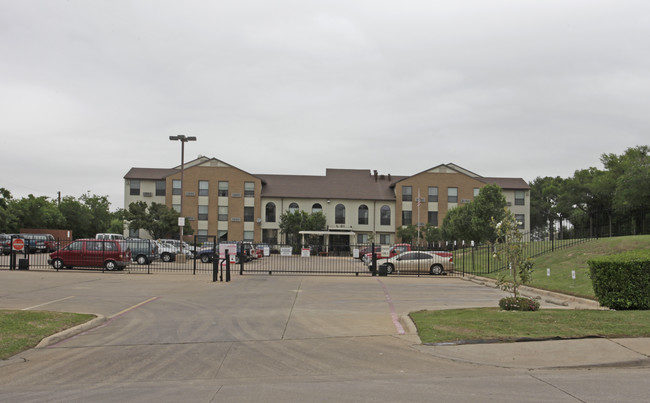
{"x": 57, "y": 264}
{"x": 166, "y": 257}
{"x": 141, "y": 259}
{"x": 205, "y": 258}
{"x": 436, "y": 270}
{"x": 390, "y": 268}
{"x": 110, "y": 265}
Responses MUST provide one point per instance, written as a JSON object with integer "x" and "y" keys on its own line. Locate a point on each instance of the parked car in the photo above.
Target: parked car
{"x": 245, "y": 249}
{"x": 418, "y": 262}
{"x": 368, "y": 249}
{"x": 143, "y": 251}
{"x": 393, "y": 251}
{"x": 35, "y": 242}
{"x": 167, "y": 252}
{"x": 109, "y": 254}
{"x": 109, "y": 236}
{"x": 188, "y": 249}
{"x": 6, "y": 240}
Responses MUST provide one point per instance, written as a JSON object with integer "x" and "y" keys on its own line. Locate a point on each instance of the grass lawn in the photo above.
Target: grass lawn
{"x": 22, "y": 330}
{"x": 493, "y": 324}
{"x": 562, "y": 262}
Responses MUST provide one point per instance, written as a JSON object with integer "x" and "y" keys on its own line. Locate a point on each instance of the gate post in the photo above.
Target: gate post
{"x": 373, "y": 264}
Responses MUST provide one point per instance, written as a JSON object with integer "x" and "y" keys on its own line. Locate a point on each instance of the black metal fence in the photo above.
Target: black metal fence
{"x": 264, "y": 259}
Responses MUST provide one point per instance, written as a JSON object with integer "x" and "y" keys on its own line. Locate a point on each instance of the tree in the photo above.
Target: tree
{"x": 407, "y": 233}
{"x": 472, "y": 221}
{"x": 511, "y": 253}
{"x": 291, "y": 223}
{"x": 77, "y": 217}
{"x": 158, "y": 219}
{"x": 36, "y": 212}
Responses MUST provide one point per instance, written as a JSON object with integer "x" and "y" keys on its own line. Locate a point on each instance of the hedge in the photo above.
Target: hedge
{"x": 622, "y": 281}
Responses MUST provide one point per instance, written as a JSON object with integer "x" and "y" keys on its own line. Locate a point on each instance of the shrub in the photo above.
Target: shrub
{"x": 622, "y": 281}
{"x": 518, "y": 304}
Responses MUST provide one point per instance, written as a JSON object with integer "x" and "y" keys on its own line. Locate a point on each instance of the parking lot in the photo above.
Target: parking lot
{"x": 170, "y": 337}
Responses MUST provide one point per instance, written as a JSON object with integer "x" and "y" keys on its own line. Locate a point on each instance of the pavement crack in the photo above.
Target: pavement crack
{"x": 286, "y": 325}
{"x": 557, "y": 388}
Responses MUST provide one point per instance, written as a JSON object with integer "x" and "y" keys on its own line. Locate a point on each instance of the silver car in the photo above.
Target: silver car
{"x": 419, "y": 262}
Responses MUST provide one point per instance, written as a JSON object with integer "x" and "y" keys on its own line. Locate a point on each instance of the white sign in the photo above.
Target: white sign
{"x": 181, "y": 221}
{"x": 548, "y": 272}
{"x": 230, "y": 247}
{"x": 304, "y": 252}
{"x": 285, "y": 251}
{"x": 267, "y": 251}
{"x": 385, "y": 250}
{"x": 573, "y": 274}
{"x": 355, "y": 253}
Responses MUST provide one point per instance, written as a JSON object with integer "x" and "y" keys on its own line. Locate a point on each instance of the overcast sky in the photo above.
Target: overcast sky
{"x": 89, "y": 89}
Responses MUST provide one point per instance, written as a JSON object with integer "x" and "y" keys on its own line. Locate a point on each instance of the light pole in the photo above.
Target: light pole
{"x": 183, "y": 139}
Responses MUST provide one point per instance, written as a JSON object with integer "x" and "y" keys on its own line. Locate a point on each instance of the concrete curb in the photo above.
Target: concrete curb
{"x": 73, "y": 331}
{"x": 551, "y": 297}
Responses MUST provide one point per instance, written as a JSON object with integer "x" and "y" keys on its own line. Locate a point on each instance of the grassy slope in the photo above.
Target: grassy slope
{"x": 562, "y": 262}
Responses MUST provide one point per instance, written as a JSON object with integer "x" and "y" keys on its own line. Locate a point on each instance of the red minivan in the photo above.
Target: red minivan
{"x": 109, "y": 254}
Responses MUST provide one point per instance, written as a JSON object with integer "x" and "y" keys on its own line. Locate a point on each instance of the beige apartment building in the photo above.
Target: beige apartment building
{"x": 360, "y": 206}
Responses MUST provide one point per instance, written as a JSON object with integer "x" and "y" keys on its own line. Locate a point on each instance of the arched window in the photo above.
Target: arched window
{"x": 385, "y": 215}
{"x": 316, "y": 208}
{"x": 270, "y": 212}
{"x": 363, "y": 214}
{"x": 293, "y": 207}
{"x": 339, "y": 214}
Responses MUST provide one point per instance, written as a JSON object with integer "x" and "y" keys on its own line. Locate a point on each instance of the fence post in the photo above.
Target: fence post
{"x": 373, "y": 264}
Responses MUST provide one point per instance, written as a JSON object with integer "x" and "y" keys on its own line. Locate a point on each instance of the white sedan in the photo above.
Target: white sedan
{"x": 419, "y": 262}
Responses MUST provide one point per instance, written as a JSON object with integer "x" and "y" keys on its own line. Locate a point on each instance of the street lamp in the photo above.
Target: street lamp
{"x": 183, "y": 139}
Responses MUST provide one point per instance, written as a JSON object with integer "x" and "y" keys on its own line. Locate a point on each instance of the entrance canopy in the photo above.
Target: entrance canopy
{"x": 326, "y": 234}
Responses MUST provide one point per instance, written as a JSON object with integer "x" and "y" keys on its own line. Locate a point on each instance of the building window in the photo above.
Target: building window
{"x": 452, "y": 195}
{"x": 249, "y": 214}
{"x": 433, "y": 194}
{"x": 134, "y": 189}
{"x": 520, "y": 197}
{"x": 316, "y": 208}
{"x": 407, "y": 217}
{"x": 176, "y": 187}
{"x": 177, "y": 208}
{"x": 339, "y": 214}
{"x": 363, "y": 215}
{"x": 203, "y": 213}
{"x": 521, "y": 221}
{"x": 293, "y": 207}
{"x": 270, "y": 212}
{"x": 203, "y": 188}
{"x": 362, "y": 239}
{"x": 249, "y": 235}
{"x": 161, "y": 188}
{"x": 384, "y": 239}
{"x": 249, "y": 189}
{"x": 476, "y": 191}
{"x": 202, "y": 235}
{"x": 223, "y": 213}
{"x": 433, "y": 218}
{"x": 222, "y": 236}
{"x": 223, "y": 189}
{"x": 407, "y": 193}
{"x": 385, "y": 215}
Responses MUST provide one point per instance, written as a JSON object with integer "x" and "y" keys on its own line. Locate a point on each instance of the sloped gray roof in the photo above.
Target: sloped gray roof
{"x": 506, "y": 183}
{"x": 359, "y": 184}
{"x": 150, "y": 173}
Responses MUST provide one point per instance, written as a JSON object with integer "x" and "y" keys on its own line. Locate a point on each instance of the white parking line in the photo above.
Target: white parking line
{"x": 47, "y": 303}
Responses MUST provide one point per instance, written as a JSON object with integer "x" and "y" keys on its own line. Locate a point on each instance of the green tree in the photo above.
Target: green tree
{"x": 36, "y": 212}
{"x": 291, "y": 223}
{"x": 457, "y": 225}
{"x": 158, "y": 219}
{"x": 99, "y": 208}
{"x": 510, "y": 250}
{"x": 408, "y": 233}
{"x": 77, "y": 217}
{"x": 489, "y": 205}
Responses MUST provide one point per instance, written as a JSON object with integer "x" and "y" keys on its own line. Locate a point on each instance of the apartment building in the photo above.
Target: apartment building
{"x": 223, "y": 200}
